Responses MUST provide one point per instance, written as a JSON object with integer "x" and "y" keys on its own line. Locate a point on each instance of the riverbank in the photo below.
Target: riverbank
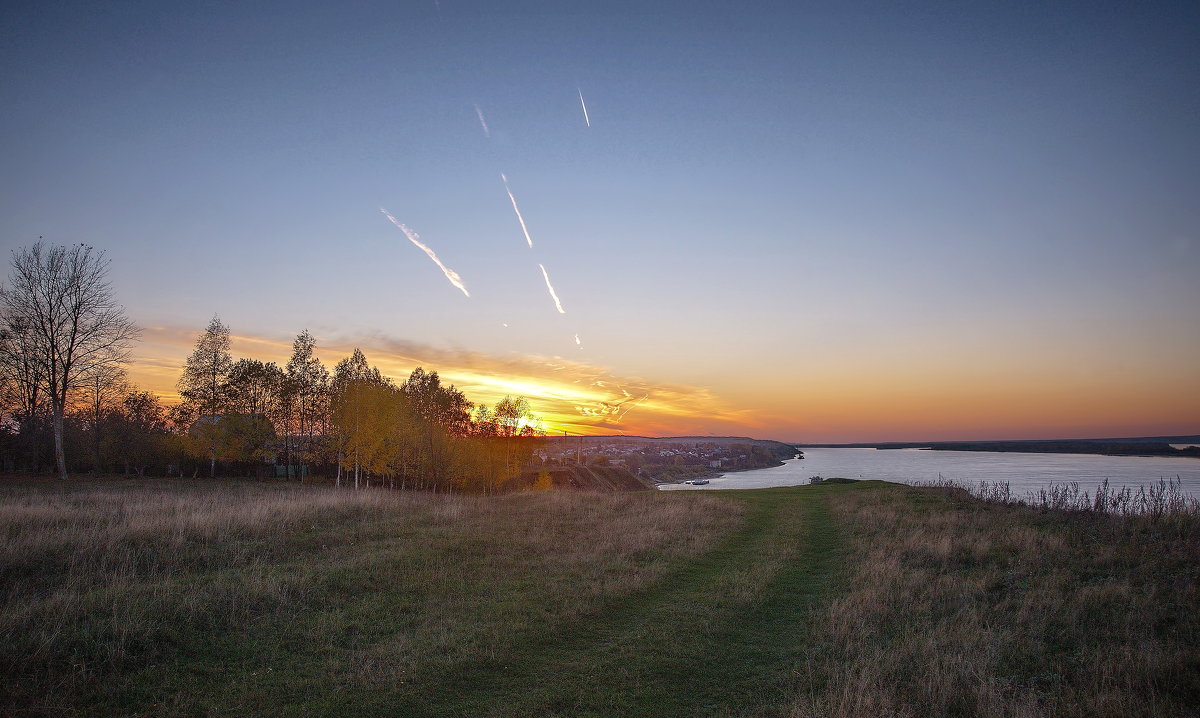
{"x": 708, "y": 473}
{"x": 1023, "y": 473}
{"x": 174, "y": 598}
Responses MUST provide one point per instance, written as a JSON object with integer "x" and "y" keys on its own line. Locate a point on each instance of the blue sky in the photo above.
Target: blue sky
{"x": 791, "y": 208}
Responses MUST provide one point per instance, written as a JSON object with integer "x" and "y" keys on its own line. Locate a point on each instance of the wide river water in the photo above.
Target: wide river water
{"x": 1023, "y": 472}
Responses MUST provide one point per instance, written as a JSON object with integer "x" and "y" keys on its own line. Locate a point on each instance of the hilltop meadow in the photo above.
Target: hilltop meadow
{"x": 199, "y": 597}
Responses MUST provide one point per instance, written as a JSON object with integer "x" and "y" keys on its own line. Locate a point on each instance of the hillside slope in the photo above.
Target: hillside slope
{"x": 585, "y": 478}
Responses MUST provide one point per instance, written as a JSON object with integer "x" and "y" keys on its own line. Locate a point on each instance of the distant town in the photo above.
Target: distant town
{"x": 666, "y": 459}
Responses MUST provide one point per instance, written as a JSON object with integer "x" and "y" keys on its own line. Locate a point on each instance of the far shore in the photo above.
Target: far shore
{"x": 1158, "y": 446}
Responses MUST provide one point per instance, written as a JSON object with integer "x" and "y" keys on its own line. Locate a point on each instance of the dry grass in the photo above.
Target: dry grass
{"x": 1164, "y": 499}
{"x": 190, "y": 597}
{"x": 959, "y": 607}
{"x": 219, "y": 598}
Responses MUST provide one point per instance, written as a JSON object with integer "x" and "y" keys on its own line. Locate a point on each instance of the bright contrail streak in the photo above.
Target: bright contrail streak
{"x": 577, "y": 342}
{"x": 632, "y": 406}
{"x": 584, "y": 106}
{"x": 553, "y": 295}
{"x": 416, "y": 239}
{"x": 518, "y": 211}
{"x": 483, "y": 122}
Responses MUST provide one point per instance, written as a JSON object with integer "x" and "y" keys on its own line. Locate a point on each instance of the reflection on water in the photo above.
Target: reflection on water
{"x": 1023, "y": 472}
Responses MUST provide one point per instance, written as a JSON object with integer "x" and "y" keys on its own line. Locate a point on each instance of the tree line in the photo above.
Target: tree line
{"x": 67, "y": 402}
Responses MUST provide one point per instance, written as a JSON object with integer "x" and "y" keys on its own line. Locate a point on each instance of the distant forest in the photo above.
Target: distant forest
{"x": 66, "y": 402}
{"x": 1110, "y": 447}
{"x": 1131, "y": 446}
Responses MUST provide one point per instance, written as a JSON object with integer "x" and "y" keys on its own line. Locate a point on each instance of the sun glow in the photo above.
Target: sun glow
{"x": 564, "y": 395}
{"x": 842, "y": 402}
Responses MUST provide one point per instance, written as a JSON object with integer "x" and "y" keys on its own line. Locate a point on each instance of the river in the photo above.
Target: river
{"x": 1023, "y": 472}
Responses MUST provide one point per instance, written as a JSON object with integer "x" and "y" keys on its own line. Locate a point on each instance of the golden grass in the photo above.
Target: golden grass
{"x": 224, "y": 598}
{"x": 955, "y": 606}
{"x": 136, "y": 595}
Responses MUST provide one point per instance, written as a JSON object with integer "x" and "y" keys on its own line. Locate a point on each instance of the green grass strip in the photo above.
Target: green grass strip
{"x": 720, "y": 636}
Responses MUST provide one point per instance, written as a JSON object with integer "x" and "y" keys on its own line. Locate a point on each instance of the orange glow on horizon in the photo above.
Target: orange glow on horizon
{"x": 835, "y": 403}
{"x": 564, "y": 395}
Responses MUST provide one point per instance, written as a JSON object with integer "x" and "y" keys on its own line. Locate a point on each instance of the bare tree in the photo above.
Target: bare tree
{"x": 103, "y": 389}
{"x": 59, "y": 308}
{"x": 24, "y": 392}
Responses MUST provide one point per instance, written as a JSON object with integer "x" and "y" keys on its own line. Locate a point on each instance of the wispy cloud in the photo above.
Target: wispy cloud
{"x": 567, "y": 395}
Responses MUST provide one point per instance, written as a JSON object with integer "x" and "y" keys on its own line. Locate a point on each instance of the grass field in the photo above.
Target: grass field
{"x": 858, "y": 599}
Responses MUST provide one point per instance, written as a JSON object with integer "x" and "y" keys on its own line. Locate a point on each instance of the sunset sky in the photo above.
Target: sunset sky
{"x": 800, "y": 221}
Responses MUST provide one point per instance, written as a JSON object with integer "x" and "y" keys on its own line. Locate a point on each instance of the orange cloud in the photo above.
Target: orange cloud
{"x": 567, "y": 395}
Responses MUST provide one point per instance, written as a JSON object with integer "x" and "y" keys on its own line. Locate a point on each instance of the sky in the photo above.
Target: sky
{"x": 812, "y": 222}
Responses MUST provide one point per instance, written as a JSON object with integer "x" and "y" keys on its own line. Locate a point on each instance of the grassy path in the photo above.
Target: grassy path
{"x": 720, "y": 636}
{"x": 852, "y": 599}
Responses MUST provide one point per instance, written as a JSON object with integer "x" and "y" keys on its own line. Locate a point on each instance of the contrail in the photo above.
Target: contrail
{"x": 553, "y": 295}
{"x": 517, "y": 210}
{"x": 577, "y": 342}
{"x": 632, "y": 406}
{"x": 584, "y": 105}
{"x": 416, "y": 239}
{"x": 483, "y": 122}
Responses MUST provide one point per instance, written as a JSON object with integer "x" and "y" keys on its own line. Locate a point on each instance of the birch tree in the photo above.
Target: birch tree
{"x": 204, "y": 383}
{"x": 254, "y": 387}
{"x": 308, "y": 382}
{"x": 445, "y": 413}
{"x": 348, "y": 409}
